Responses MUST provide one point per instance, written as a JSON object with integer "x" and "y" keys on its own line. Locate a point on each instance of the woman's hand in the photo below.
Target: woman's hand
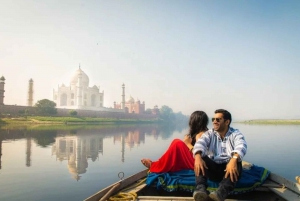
{"x": 187, "y": 139}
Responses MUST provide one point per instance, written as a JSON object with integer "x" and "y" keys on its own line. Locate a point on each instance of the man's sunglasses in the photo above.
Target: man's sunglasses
{"x": 217, "y": 119}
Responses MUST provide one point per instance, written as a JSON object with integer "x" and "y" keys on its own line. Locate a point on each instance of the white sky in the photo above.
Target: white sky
{"x": 242, "y": 56}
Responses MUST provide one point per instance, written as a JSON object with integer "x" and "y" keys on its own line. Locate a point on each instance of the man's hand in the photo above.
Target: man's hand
{"x": 232, "y": 170}
{"x": 199, "y": 165}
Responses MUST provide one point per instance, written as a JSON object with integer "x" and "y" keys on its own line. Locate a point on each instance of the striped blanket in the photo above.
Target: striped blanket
{"x": 184, "y": 180}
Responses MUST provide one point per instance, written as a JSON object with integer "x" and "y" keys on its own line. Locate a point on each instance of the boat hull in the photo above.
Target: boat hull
{"x": 274, "y": 188}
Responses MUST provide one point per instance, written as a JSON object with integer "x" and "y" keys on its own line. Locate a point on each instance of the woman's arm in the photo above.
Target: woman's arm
{"x": 188, "y": 141}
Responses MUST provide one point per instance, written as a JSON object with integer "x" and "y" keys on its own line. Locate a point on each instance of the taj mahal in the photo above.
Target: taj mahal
{"x": 78, "y": 95}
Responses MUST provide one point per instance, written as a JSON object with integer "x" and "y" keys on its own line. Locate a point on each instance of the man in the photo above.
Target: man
{"x": 218, "y": 156}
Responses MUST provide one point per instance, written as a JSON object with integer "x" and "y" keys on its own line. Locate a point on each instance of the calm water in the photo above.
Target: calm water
{"x": 71, "y": 163}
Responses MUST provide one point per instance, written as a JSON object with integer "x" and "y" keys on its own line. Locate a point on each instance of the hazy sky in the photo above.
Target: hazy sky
{"x": 241, "y": 55}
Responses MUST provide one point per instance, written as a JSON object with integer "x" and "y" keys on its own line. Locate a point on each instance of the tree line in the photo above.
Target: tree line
{"x": 47, "y": 108}
{"x": 166, "y": 114}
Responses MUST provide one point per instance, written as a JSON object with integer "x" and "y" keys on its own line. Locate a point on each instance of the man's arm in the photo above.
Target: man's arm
{"x": 199, "y": 151}
{"x": 199, "y": 165}
{"x": 240, "y": 146}
{"x": 240, "y": 149}
{"x": 202, "y": 144}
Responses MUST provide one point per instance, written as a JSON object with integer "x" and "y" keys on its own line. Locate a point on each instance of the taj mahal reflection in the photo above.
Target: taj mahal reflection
{"x": 77, "y": 147}
{"x": 81, "y": 148}
{"x": 77, "y": 150}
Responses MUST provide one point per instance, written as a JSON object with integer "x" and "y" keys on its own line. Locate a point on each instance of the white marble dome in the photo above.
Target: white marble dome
{"x": 84, "y": 78}
{"x": 131, "y": 100}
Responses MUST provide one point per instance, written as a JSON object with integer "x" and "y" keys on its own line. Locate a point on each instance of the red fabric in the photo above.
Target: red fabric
{"x": 177, "y": 157}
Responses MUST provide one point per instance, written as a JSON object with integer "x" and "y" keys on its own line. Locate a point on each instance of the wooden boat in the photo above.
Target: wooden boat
{"x": 275, "y": 188}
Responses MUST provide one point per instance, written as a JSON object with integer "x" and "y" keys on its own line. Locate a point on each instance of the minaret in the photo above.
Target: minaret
{"x": 79, "y": 89}
{"x": 0, "y": 150}
{"x": 2, "y": 82}
{"x": 123, "y": 96}
{"x": 30, "y": 93}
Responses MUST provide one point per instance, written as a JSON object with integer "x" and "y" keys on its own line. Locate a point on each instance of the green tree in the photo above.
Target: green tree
{"x": 26, "y": 113}
{"x": 181, "y": 119}
{"x": 73, "y": 112}
{"x": 148, "y": 111}
{"x": 45, "y": 107}
{"x": 166, "y": 113}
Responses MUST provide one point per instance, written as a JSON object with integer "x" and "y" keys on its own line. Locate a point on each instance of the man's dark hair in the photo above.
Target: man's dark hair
{"x": 226, "y": 115}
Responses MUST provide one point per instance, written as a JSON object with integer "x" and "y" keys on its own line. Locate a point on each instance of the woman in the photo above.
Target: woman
{"x": 179, "y": 155}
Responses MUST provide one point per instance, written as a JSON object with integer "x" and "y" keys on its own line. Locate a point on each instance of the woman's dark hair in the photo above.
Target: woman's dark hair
{"x": 198, "y": 122}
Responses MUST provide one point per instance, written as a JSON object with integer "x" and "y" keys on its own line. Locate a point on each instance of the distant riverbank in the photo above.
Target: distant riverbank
{"x": 272, "y": 121}
{"x": 73, "y": 120}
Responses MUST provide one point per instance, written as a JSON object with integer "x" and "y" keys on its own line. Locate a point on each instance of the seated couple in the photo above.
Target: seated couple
{"x": 214, "y": 154}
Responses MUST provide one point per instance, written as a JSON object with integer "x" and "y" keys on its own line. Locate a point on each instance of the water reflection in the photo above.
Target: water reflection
{"x": 79, "y": 146}
{"x": 0, "y": 151}
{"x": 77, "y": 150}
{"x": 76, "y": 161}
{"x": 28, "y": 151}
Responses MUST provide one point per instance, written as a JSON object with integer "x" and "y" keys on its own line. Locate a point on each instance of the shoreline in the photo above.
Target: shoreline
{"x": 43, "y": 120}
{"x": 39, "y": 120}
{"x": 272, "y": 121}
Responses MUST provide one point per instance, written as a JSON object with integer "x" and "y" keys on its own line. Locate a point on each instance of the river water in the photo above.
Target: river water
{"x": 73, "y": 162}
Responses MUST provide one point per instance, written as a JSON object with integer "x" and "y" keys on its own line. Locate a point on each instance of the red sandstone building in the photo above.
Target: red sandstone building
{"x": 132, "y": 106}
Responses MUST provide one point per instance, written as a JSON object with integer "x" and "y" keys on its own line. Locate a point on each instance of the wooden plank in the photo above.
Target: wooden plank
{"x": 111, "y": 191}
{"x": 283, "y": 192}
{"x": 124, "y": 183}
{"x": 293, "y": 186}
{"x": 134, "y": 188}
{"x": 286, "y": 194}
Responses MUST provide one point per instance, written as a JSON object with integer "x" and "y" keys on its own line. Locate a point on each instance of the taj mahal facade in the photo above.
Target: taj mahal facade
{"x": 78, "y": 95}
